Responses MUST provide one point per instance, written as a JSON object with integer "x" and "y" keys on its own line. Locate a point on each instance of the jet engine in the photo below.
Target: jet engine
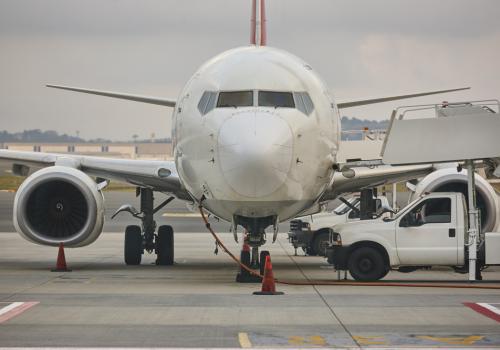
{"x": 450, "y": 180}
{"x": 59, "y": 204}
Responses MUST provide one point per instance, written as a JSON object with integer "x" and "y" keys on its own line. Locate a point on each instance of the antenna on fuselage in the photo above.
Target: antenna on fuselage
{"x": 258, "y": 34}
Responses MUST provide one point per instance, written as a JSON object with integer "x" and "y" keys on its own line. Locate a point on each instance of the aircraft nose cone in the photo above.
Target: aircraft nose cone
{"x": 255, "y": 152}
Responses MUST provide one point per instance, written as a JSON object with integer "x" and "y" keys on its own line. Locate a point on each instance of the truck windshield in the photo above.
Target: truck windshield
{"x": 342, "y": 209}
{"x": 403, "y": 211}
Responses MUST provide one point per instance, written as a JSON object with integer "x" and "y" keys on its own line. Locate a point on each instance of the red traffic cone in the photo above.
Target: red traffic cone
{"x": 61, "y": 260}
{"x": 268, "y": 284}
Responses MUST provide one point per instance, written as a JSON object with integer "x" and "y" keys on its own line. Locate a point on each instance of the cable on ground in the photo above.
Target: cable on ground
{"x": 338, "y": 283}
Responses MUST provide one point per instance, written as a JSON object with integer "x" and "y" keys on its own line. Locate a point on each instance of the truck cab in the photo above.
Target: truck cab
{"x": 432, "y": 230}
{"x": 312, "y": 233}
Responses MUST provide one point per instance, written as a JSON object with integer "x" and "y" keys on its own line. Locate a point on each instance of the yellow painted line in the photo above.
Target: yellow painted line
{"x": 373, "y": 340}
{"x": 181, "y": 215}
{"x": 244, "y": 340}
{"x": 470, "y": 340}
{"x": 315, "y": 340}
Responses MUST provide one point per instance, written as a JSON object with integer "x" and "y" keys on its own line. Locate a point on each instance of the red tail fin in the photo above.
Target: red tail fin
{"x": 258, "y": 33}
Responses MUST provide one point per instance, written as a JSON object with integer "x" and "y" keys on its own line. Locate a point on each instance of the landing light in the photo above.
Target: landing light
{"x": 163, "y": 172}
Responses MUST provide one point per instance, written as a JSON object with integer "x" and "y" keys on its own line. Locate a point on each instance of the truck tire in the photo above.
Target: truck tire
{"x": 319, "y": 243}
{"x": 367, "y": 264}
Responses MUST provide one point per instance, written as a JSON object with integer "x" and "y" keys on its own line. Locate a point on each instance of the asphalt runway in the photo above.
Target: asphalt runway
{"x": 197, "y": 303}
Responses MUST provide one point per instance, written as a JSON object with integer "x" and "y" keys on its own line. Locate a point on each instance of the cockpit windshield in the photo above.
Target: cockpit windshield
{"x": 253, "y": 98}
{"x": 276, "y": 99}
{"x": 235, "y": 99}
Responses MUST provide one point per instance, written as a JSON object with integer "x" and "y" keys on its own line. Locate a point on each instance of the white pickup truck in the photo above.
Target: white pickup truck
{"x": 430, "y": 231}
{"x": 312, "y": 233}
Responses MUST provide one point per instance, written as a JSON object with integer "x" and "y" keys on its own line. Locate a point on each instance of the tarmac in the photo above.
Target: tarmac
{"x": 197, "y": 303}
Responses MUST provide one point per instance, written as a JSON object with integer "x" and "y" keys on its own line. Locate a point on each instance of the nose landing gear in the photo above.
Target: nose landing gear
{"x": 144, "y": 238}
{"x": 255, "y": 238}
{"x": 252, "y": 259}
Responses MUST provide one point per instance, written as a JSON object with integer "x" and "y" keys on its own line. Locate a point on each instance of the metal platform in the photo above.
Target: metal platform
{"x": 456, "y": 132}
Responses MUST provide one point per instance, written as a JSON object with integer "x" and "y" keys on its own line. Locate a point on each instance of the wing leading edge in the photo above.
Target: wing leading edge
{"x": 158, "y": 175}
{"x": 371, "y": 177}
{"x": 137, "y": 98}
{"x": 349, "y": 104}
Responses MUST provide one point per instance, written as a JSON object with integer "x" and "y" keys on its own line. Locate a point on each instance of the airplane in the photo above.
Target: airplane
{"x": 255, "y": 137}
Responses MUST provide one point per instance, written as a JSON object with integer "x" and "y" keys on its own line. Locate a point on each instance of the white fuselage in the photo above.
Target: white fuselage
{"x": 254, "y": 160}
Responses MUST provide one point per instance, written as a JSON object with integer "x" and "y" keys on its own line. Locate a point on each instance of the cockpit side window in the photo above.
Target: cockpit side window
{"x": 207, "y": 102}
{"x": 235, "y": 99}
{"x": 276, "y": 99}
{"x": 303, "y": 102}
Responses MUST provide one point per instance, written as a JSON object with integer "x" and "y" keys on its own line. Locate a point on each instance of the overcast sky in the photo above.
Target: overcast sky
{"x": 362, "y": 49}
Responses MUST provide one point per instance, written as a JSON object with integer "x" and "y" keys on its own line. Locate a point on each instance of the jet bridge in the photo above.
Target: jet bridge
{"x": 463, "y": 132}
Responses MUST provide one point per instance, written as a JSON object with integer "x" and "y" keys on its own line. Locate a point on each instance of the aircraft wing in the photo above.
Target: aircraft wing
{"x": 124, "y": 96}
{"x": 158, "y": 175}
{"x": 356, "y": 103}
{"x": 365, "y": 177}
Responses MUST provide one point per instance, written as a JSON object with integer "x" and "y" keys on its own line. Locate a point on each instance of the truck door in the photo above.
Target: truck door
{"x": 427, "y": 234}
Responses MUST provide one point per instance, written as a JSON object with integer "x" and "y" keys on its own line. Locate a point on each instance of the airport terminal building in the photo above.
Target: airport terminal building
{"x": 145, "y": 150}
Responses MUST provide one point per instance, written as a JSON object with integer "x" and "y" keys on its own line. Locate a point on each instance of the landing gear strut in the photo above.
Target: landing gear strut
{"x": 252, "y": 259}
{"x": 144, "y": 238}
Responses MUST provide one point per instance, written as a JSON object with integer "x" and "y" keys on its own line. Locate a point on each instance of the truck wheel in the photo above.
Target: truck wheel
{"x": 320, "y": 242}
{"x": 367, "y": 264}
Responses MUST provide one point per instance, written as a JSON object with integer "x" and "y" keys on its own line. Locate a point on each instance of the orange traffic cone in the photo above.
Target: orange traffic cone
{"x": 61, "y": 260}
{"x": 268, "y": 284}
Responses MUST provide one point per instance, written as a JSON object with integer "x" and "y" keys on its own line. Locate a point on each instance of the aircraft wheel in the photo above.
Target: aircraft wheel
{"x": 367, "y": 264}
{"x": 245, "y": 258}
{"x": 165, "y": 245}
{"x": 262, "y": 261}
{"x": 133, "y": 245}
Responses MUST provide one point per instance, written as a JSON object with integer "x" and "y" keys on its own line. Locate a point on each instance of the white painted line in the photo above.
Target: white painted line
{"x": 10, "y": 307}
{"x": 490, "y": 307}
{"x": 260, "y": 348}
{"x": 14, "y": 309}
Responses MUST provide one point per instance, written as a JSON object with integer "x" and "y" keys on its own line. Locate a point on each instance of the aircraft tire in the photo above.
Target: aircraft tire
{"x": 165, "y": 245}
{"x": 133, "y": 245}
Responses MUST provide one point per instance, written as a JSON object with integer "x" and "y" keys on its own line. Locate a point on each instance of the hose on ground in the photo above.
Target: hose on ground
{"x": 336, "y": 283}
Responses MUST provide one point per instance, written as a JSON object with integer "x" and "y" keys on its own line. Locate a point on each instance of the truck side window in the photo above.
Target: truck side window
{"x": 429, "y": 211}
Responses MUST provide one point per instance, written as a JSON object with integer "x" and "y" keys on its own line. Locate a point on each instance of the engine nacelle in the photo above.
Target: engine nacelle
{"x": 449, "y": 180}
{"x": 59, "y": 204}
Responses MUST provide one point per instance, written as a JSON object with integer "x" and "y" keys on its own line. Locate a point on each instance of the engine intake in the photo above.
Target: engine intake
{"x": 59, "y": 204}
